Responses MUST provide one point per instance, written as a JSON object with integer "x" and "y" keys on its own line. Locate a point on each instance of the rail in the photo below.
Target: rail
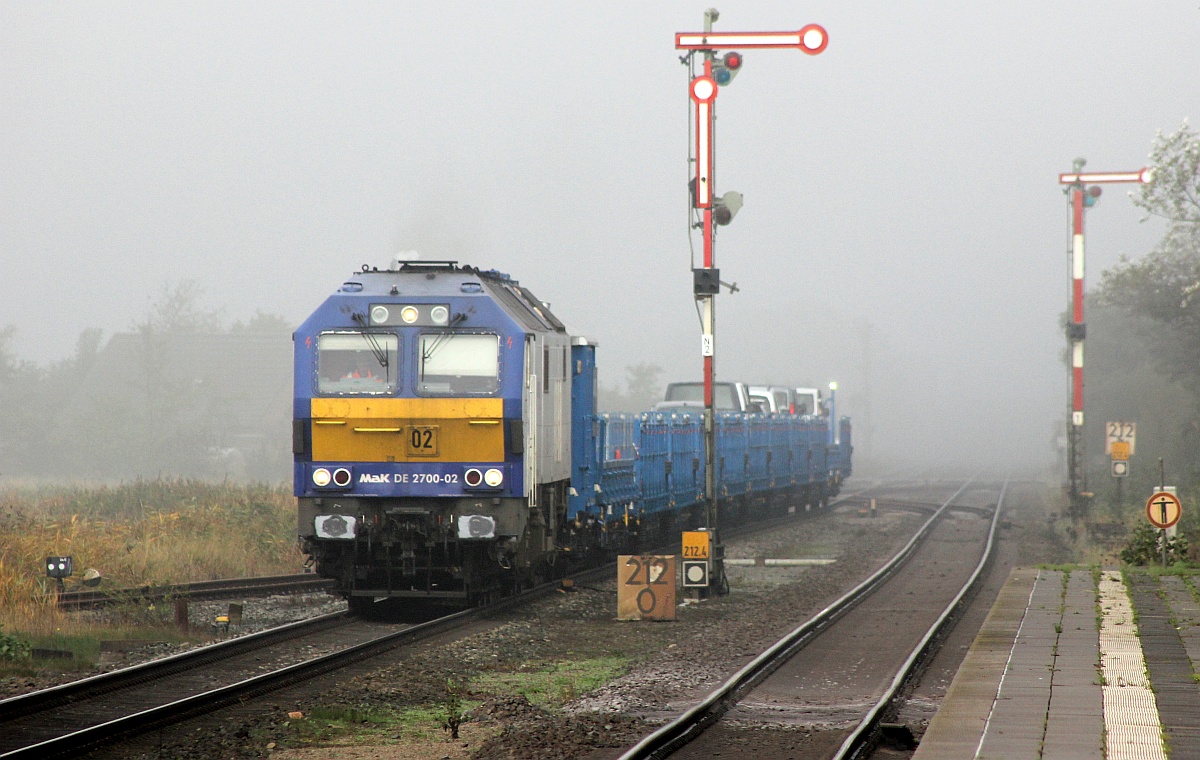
{"x": 298, "y": 583}
{"x": 198, "y": 704}
{"x": 76, "y": 742}
{"x": 124, "y": 678}
{"x": 694, "y": 721}
{"x": 861, "y": 739}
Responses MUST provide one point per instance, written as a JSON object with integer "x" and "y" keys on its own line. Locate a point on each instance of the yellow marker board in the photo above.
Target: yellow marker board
{"x": 696, "y": 544}
{"x": 645, "y": 587}
{"x": 1120, "y": 451}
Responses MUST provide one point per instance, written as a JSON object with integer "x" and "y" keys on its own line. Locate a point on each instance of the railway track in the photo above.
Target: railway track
{"x": 269, "y": 585}
{"x": 75, "y": 717}
{"x": 824, "y": 627}
{"x": 70, "y": 719}
{"x": 42, "y": 723}
{"x": 863, "y": 737}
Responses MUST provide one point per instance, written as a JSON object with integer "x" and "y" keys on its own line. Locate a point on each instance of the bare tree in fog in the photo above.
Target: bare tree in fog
{"x": 643, "y": 389}
{"x": 179, "y": 394}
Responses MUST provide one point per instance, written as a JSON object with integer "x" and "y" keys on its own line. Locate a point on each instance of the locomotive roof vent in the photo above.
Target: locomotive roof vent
{"x": 429, "y": 266}
{"x": 401, "y": 257}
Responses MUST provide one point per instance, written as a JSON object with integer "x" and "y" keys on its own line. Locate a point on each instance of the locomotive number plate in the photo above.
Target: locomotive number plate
{"x": 423, "y": 441}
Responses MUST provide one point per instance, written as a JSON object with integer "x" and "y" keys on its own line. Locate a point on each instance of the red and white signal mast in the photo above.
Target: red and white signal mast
{"x": 703, "y": 89}
{"x": 1082, "y": 197}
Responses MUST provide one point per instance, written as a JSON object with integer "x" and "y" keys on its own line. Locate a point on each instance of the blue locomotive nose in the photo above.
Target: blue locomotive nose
{"x": 444, "y": 392}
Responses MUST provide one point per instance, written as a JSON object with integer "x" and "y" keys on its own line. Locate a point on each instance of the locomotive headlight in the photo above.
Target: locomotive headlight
{"x": 409, "y": 314}
{"x": 493, "y": 477}
{"x": 321, "y": 477}
{"x": 439, "y": 315}
{"x": 379, "y": 315}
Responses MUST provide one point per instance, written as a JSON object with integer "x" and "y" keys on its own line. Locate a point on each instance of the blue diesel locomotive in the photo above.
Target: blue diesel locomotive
{"x": 447, "y": 444}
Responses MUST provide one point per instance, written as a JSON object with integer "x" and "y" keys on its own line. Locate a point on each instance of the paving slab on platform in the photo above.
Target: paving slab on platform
{"x": 1179, "y": 595}
{"x": 959, "y": 724}
{"x": 1029, "y": 685}
{"x": 1078, "y": 665}
{"x": 1170, "y": 669}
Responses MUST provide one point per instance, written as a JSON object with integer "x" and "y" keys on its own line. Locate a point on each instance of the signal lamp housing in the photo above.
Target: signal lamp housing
{"x": 727, "y": 68}
{"x": 726, "y": 207}
{"x": 59, "y": 567}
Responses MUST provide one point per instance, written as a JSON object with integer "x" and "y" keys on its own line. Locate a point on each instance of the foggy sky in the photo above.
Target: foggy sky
{"x": 903, "y": 182}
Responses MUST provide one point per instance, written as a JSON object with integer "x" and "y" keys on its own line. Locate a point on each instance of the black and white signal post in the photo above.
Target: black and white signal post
{"x": 703, "y": 89}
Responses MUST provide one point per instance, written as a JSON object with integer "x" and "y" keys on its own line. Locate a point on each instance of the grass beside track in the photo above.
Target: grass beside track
{"x": 546, "y": 684}
{"x": 148, "y": 532}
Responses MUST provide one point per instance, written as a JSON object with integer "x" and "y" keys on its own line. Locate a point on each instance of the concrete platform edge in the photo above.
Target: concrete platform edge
{"x": 958, "y": 726}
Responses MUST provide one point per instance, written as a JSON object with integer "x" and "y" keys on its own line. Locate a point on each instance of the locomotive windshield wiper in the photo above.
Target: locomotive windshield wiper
{"x": 379, "y": 351}
{"x": 440, "y": 341}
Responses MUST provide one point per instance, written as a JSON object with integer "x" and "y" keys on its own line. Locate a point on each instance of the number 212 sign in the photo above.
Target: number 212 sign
{"x": 645, "y": 587}
{"x": 1125, "y": 432}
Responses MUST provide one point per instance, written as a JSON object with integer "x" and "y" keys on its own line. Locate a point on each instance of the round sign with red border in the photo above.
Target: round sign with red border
{"x": 704, "y": 89}
{"x": 1163, "y": 509}
{"x": 813, "y": 39}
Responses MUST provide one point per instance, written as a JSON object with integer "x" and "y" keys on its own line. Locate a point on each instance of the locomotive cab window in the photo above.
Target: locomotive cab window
{"x": 454, "y": 363}
{"x": 358, "y": 362}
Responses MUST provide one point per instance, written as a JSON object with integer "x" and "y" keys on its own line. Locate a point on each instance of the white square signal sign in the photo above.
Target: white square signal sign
{"x": 695, "y": 573}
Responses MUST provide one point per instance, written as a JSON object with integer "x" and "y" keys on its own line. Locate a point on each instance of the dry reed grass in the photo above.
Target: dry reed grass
{"x": 150, "y": 532}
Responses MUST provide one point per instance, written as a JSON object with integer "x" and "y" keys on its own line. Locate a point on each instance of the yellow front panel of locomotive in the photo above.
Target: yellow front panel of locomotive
{"x": 408, "y": 430}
